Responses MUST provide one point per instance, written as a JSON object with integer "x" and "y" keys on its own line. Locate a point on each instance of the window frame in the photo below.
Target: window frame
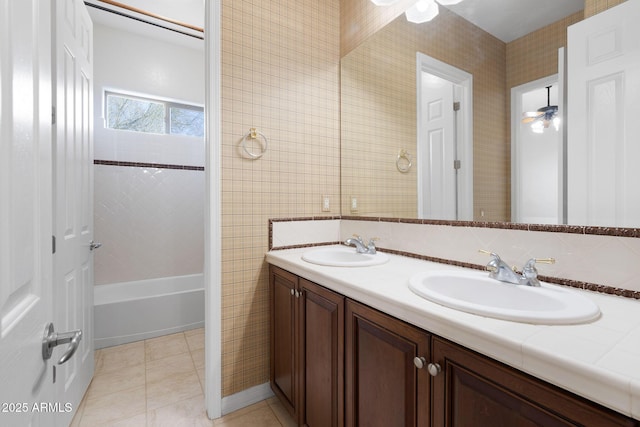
{"x": 167, "y": 104}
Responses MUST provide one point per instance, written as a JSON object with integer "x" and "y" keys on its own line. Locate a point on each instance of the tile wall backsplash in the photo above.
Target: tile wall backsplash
{"x": 597, "y": 260}
{"x": 150, "y": 222}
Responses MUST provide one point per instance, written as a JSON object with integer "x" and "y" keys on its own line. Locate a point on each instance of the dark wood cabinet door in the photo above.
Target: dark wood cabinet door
{"x": 383, "y": 387}
{"x": 322, "y": 356}
{"x": 474, "y": 391}
{"x": 284, "y": 365}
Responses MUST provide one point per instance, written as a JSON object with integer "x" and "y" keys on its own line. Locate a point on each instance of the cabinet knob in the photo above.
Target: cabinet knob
{"x": 420, "y": 362}
{"x": 434, "y": 369}
{"x": 292, "y": 292}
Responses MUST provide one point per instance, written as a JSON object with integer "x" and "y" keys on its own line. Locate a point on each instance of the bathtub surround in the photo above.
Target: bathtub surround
{"x": 168, "y": 305}
{"x": 594, "y": 258}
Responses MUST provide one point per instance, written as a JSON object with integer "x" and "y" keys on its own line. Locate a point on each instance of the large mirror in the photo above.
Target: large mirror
{"x": 380, "y": 159}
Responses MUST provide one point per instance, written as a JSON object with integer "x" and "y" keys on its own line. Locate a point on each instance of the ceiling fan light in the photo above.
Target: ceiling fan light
{"x": 422, "y": 11}
{"x": 537, "y": 127}
{"x": 449, "y": 2}
{"x": 556, "y": 123}
{"x": 384, "y": 2}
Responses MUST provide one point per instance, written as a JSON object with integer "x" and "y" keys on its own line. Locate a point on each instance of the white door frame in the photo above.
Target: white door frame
{"x": 425, "y": 63}
{"x": 212, "y": 225}
{"x": 516, "y": 115}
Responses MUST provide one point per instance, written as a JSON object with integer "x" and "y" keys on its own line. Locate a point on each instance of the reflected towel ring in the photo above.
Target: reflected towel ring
{"x": 253, "y": 134}
{"x": 404, "y": 161}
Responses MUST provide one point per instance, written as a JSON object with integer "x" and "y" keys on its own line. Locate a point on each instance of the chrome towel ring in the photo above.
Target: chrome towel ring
{"x": 404, "y": 161}
{"x": 251, "y": 135}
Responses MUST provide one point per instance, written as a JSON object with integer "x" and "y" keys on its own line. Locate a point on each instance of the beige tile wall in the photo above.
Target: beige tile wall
{"x": 535, "y": 55}
{"x": 593, "y": 7}
{"x": 279, "y": 74}
{"x": 360, "y": 19}
{"x": 379, "y": 114}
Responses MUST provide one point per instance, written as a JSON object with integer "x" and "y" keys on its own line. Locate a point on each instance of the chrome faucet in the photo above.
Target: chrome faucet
{"x": 361, "y": 248}
{"x": 500, "y": 270}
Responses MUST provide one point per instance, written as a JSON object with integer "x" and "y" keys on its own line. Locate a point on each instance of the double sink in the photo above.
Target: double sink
{"x": 475, "y": 292}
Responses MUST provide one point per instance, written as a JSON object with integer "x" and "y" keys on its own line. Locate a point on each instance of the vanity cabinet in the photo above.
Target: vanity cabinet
{"x": 476, "y": 391}
{"x": 307, "y": 349}
{"x": 384, "y": 388}
{"x": 335, "y": 362}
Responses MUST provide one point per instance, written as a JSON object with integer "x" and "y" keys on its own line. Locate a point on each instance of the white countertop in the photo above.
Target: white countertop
{"x": 599, "y": 360}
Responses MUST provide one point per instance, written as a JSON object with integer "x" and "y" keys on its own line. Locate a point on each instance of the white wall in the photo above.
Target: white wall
{"x": 150, "y": 220}
{"x": 538, "y": 164}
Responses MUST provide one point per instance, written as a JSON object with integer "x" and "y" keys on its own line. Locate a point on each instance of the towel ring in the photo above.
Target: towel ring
{"x": 253, "y": 134}
{"x": 404, "y": 161}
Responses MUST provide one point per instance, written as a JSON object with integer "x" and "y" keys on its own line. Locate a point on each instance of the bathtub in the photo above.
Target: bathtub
{"x": 133, "y": 311}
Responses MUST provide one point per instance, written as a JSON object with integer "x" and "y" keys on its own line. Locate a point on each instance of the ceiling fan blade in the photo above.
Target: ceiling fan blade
{"x": 531, "y": 119}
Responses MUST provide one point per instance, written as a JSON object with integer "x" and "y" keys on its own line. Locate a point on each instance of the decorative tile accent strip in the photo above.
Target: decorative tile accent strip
{"x": 147, "y": 165}
{"x": 550, "y": 228}
{"x": 575, "y": 229}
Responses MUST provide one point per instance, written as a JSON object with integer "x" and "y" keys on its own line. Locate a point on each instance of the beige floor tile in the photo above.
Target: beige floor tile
{"x": 165, "y": 346}
{"x": 139, "y": 420}
{"x": 160, "y": 369}
{"x": 111, "y": 382}
{"x": 113, "y": 359}
{"x": 113, "y": 407}
{"x": 75, "y": 421}
{"x": 281, "y": 413}
{"x": 258, "y": 415}
{"x": 160, "y": 382}
{"x": 190, "y": 412}
{"x": 200, "y": 372}
{"x": 195, "y": 339}
{"x": 198, "y": 357}
{"x": 171, "y": 389}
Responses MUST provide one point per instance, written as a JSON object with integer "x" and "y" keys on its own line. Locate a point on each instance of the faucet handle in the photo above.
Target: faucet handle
{"x": 531, "y": 263}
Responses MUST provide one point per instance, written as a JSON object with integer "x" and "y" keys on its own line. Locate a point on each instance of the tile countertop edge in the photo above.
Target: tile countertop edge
{"x": 502, "y": 340}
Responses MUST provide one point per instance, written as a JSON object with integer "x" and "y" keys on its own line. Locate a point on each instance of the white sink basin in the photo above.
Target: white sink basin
{"x": 343, "y": 256}
{"x": 474, "y": 292}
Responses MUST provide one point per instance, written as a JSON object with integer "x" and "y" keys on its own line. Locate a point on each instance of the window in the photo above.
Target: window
{"x": 153, "y": 116}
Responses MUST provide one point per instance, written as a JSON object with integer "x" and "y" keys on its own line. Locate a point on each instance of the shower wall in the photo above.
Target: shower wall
{"x": 149, "y": 188}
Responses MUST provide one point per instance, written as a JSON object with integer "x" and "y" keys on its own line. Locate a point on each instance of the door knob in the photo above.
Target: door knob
{"x": 93, "y": 245}
{"x": 53, "y": 339}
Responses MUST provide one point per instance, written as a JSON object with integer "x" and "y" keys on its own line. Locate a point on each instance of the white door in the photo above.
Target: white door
{"x": 445, "y": 140}
{"x": 437, "y": 148}
{"x": 26, "y": 380}
{"x": 603, "y": 111}
{"x": 73, "y": 193}
{"x": 536, "y": 158}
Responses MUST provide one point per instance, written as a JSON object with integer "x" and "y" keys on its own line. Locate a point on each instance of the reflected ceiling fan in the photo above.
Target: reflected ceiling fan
{"x": 543, "y": 116}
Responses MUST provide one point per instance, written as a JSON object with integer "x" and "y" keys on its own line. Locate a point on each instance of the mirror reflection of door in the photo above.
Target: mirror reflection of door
{"x": 536, "y": 187}
{"x": 443, "y": 146}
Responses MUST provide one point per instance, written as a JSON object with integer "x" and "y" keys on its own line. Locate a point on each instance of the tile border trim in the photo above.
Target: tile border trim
{"x": 147, "y": 165}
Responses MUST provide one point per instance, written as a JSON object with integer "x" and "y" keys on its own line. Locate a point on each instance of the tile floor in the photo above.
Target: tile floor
{"x": 159, "y": 382}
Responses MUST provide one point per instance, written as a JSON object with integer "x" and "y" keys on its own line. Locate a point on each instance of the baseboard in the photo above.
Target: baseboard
{"x": 245, "y": 398}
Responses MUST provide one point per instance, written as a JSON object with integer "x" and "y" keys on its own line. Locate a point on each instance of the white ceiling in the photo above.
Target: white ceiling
{"x": 512, "y": 19}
